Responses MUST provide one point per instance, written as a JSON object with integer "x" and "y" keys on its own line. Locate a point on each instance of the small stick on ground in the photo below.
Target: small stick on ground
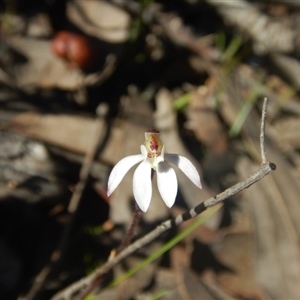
{"x": 131, "y": 230}
{"x": 88, "y": 160}
{"x": 262, "y": 131}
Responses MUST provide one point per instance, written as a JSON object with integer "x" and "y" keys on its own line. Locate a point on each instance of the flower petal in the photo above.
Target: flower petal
{"x": 142, "y": 185}
{"x": 167, "y": 183}
{"x": 119, "y": 171}
{"x": 186, "y": 166}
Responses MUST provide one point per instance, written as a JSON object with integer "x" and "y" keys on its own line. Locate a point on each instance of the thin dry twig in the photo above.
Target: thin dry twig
{"x": 262, "y": 131}
{"x": 98, "y": 78}
{"x": 131, "y": 230}
{"x": 57, "y": 254}
{"x": 88, "y": 160}
{"x": 265, "y": 169}
{"x": 174, "y": 28}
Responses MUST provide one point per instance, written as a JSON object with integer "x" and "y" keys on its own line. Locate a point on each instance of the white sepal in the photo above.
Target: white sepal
{"x": 167, "y": 183}
{"x": 186, "y": 166}
{"x": 119, "y": 171}
{"x": 142, "y": 185}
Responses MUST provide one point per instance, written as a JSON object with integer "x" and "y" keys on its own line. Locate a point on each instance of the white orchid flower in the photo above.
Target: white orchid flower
{"x": 153, "y": 158}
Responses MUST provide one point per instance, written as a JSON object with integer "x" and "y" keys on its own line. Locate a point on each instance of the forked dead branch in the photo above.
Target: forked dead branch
{"x": 82, "y": 286}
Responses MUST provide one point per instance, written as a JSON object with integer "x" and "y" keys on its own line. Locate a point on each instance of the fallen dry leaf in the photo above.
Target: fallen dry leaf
{"x": 100, "y": 19}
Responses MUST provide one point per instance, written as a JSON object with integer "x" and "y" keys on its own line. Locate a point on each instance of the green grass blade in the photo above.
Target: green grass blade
{"x": 182, "y": 102}
{"x": 242, "y": 115}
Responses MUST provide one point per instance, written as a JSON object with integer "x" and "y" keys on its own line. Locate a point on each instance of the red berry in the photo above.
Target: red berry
{"x": 72, "y": 47}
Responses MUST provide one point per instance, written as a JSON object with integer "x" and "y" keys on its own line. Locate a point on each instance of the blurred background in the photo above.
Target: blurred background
{"x": 80, "y": 83}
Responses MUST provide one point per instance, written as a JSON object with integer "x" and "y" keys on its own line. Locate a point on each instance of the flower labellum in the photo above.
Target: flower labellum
{"x": 153, "y": 158}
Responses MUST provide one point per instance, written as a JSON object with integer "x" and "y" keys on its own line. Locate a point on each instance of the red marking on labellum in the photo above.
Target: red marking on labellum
{"x": 154, "y": 144}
